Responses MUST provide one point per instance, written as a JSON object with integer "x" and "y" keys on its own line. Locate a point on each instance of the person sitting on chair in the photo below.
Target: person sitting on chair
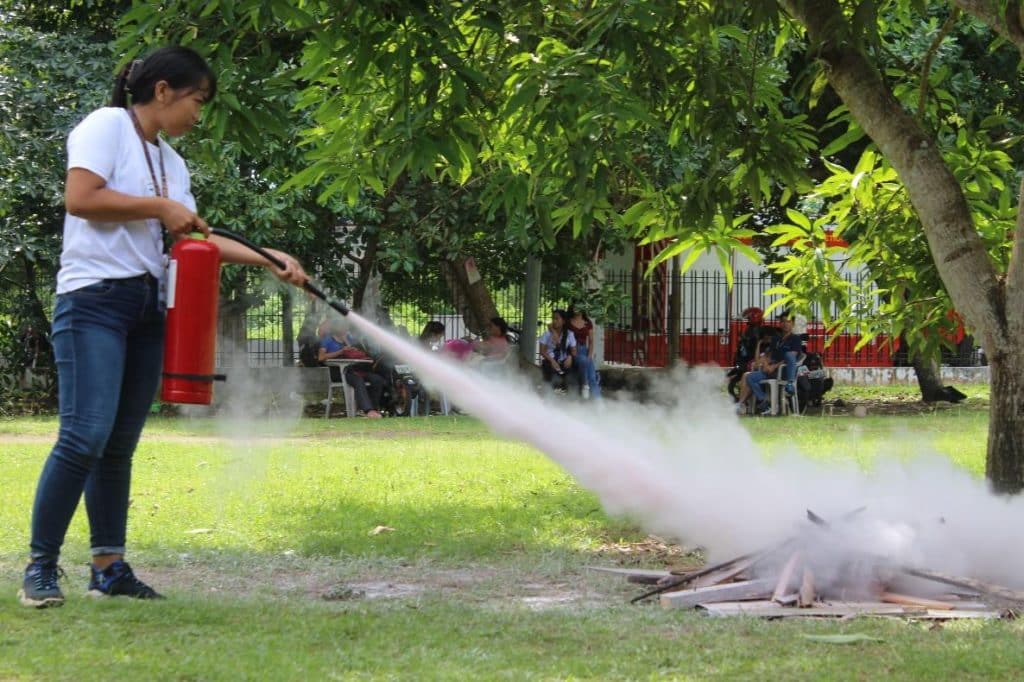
{"x": 580, "y": 326}
{"x": 367, "y": 385}
{"x": 558, "y": 348}
{"x": 495, "y": 347}
{"x": 783, "y": 349}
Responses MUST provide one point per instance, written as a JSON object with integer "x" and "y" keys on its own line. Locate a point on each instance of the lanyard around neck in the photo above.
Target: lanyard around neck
{"x": 159, "y": 189}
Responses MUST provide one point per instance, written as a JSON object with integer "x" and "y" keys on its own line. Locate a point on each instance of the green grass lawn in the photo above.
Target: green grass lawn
{"x": 428, "y": 549}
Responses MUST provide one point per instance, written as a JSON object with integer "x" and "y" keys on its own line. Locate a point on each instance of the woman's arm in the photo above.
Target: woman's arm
{"x": 233, "y": 252}
{"x": 86, "y": 195}
{"x": 545, "y": 352}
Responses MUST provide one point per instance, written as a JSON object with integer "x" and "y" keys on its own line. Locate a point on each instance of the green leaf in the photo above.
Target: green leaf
{"x": 799, "y": 218}
{"x": 853, "y": 134}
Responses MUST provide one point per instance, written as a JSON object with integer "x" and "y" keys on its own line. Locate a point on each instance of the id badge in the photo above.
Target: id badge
{"x": 166, "y": 287}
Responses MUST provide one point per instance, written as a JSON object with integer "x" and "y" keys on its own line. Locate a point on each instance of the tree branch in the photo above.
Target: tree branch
{"x": 958, "y": 252}
{"x": 929, "y": 57}
{"x": 1008, "y": 25}
{"x": 1014, "y": 282}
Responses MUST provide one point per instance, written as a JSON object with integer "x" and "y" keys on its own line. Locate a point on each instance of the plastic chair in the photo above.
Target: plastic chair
{"x": 347, "y": 391}
{"x": 789, "y": 404}
{"x": 414, "y": 404}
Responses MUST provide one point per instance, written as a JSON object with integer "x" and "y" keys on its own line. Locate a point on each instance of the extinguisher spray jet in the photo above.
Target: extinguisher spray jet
{"x": 190, "y": 339}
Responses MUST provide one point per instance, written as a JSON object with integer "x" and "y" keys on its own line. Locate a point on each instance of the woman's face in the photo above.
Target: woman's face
{"x": 493, "y": 330}
{"x": 181, "y": 108}
{"x": 556, "y": 321}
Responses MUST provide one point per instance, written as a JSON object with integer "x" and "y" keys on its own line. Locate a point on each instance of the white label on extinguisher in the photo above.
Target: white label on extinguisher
{"x": 172, "y": 279}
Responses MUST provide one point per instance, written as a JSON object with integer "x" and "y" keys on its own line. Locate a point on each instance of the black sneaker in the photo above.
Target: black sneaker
{"x": 118, "y": 580}
{"x": 39, "y": 588}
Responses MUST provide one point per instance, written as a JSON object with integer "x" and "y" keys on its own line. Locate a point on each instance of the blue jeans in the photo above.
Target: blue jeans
{"x": 108, "y": 341}
{"x": 790, "y": 366}
{"x": 754, "y": 380}
{"x": 588, "y": 371}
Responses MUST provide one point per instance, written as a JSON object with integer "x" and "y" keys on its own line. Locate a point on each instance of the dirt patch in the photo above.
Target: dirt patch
{"x": 483, "y": 585}
{"x": 652, "y": 550}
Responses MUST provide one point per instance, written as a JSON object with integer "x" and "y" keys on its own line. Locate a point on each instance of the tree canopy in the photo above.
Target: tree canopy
{"x": 678, "y": 122}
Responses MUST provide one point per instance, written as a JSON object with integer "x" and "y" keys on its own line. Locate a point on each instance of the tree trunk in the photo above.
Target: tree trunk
{"x": 288, "y": 327}
{"x": 365, "y": 269}
{"x": 928, "y": 379}
{"x": 1004, "y": 466}
{"x": 675, "y": 307}
{"x": 992, "y": 306}
{"x": 469, "y": 293}
{"x": 531, "y": 308}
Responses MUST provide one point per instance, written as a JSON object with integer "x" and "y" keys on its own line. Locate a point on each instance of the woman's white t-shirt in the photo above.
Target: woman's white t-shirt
{"x": 105, "y": 143}
{"x": 548, "y": 340}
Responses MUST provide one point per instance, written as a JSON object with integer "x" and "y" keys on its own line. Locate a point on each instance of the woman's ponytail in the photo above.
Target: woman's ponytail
{"x": 123, "y": 84}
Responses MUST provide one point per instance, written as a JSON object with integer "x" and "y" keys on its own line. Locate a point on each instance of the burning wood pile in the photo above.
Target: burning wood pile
{"x": 817, "y": 574}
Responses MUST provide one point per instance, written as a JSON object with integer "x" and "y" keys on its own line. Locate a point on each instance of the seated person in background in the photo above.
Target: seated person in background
{"x": 580, "y": 326}
{"x": 432, "y": 335}
{"x": 495, "y": 346}
{"x": 783, "y": 349}
{"x": 760, "y": 363}
{"x": 557, "y": 348}
{"x": 367, "y": 384}
{"x": 459, "y": 349}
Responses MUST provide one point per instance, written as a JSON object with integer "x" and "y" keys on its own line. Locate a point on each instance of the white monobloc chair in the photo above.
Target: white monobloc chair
{"x": 347, "y": 391}
{"x": 780, "y": 401}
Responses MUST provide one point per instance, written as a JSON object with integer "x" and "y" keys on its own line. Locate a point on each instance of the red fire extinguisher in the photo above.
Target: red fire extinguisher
{"x": 190, "y": 339}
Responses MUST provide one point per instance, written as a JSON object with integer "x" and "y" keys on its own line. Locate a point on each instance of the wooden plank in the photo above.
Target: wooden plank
{"x": 724, "y": 574}
{"x": 920, "y": 602}
{"x": 787, "y": 599}
{"x": 968, "y": 583}
{"x": 678, "y": 581}
{"x": 807, "y": 591}
{"x": 769, "y": 609}
{"x": 786, "y": 576}
{"x": 935, "y": 614}
{"x": 635, "y": 575}
{"x": 749, "y": 589}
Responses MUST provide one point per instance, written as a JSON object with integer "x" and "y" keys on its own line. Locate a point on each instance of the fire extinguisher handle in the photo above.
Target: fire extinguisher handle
{"x": 277, "y": 262}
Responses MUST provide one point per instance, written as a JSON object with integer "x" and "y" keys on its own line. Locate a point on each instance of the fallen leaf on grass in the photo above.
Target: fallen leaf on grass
{"x": 382, "y": 529}
{"x": 199, "y": 531}
{"x": 842, "y": 639}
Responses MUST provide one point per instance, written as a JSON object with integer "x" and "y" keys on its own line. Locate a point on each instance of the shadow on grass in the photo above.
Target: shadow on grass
{"x": 542, "y": 521}
{"x": 565, "y": 518}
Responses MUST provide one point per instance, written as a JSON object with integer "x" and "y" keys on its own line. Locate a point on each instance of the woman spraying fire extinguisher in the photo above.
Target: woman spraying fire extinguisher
{"x": 126, "y": 191}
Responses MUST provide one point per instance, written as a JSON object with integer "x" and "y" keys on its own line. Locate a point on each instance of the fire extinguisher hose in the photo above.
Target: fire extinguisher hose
{"x": 308, "y": 286}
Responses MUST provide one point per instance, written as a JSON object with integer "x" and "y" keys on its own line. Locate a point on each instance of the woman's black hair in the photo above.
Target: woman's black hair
{"x": 563, "y": 341}
{"x": 501, "y": 324}
{"x": 432, "y": 328}
{"x": 574, "y": 309}
{"x": 181, "y": 67}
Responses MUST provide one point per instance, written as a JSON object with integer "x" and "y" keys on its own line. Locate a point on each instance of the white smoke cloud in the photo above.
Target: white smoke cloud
{"x": 691, "y": 471}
